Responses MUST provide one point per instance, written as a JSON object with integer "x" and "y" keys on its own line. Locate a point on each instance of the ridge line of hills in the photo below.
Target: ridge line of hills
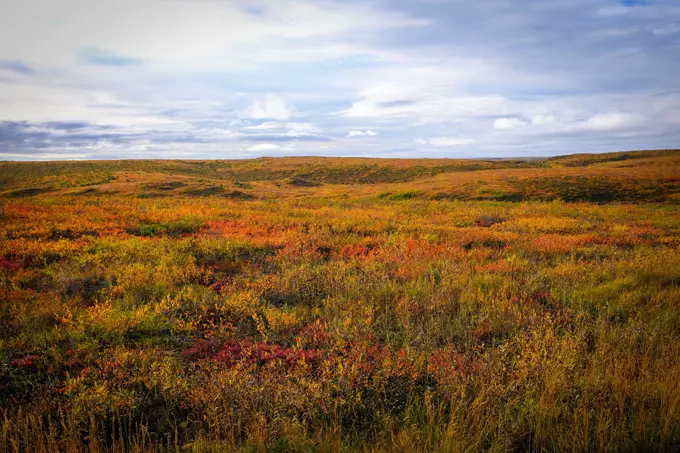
{"x": 632, "y": 176}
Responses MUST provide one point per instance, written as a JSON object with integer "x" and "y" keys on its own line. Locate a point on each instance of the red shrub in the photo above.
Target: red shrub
{"x": 24, "y": 361}
{"x": 250, "y": 353}
{"x": 10, "y": 263}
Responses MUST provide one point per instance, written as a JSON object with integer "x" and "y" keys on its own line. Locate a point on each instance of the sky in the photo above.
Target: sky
{"x": 231, "y": 79}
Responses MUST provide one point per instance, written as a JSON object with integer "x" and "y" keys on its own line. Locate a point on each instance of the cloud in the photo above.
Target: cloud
{"x": 542, "y": 120}
{"x": 211, "y": 78}
{"x": 550, "y": 124}
{"x": 70, "y": 125}
{"x": 264, "y": 147}
{"x": 50, "y": 156}
{"x": 366, "y": 133}
{"x": 446, "y": 141}
{"x": 508, "y": 123}
{"x": 266, "y": 125}
{"x": 302, "y": 130}
{"x": 284, "y": 138}
{"x": 29, "y": 137}
{"x": 277, "y": 131}
{"x": 68, "y": 137}
{"x": 612, "y": 121}
{"x": 430, "y": 103}
{"x": 268, "y": 107}
{"x": 194, "y": 36}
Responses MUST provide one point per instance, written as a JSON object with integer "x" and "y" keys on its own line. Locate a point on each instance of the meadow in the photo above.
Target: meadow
{"x": 338, "y": 305}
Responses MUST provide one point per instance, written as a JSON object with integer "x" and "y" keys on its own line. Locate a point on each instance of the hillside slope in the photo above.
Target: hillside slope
{"x": 643, "y": 176}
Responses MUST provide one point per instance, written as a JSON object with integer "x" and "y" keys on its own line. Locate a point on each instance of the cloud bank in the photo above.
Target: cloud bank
{"x": 237, "y": 79}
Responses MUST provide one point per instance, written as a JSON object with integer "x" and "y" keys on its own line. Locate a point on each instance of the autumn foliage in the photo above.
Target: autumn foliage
{"x": 341, "y": 315}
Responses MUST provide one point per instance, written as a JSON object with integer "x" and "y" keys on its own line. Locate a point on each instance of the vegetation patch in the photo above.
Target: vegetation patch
{"x": 499, "y": 194}
{"x": 596, "y": 189}
{"x": 88, "y": 191}
{"x": 239, "y": 195}
{"x": 165, "y": 185}
{"x": 154, "y": 195}
{"x": 342, "y": 317}
{"x": 401, "y": 196}
{"x": 29, "y": 192}
{"x": 184, "y": 226}
{"x": 300, "y": 182}
{"x": 487, "y": 221}
{"x": 204, "y": 191}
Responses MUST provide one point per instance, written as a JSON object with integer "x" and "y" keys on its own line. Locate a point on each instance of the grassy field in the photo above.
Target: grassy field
{"x": 334, "y": 304}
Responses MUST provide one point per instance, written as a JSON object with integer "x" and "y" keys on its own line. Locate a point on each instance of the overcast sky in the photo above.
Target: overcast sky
{"x": 387, "y": 78}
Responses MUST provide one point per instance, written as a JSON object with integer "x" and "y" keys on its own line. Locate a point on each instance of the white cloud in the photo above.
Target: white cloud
{"x": 445, "y": 141}
{"x": 612, "y": 121}
{"x": 49, "y": 156}
{"x": 292, "y": 129}
{"x": 217, "y": 133}
{"x": 268, "y": 107}
{"x": 366, "y": 133}
{"x": 302, "y": 130}
{"x": 542, "y": 120}
{"x": 570, "y": 122}
{"x": 190, "y": 35}
{"x": 267, "y": 125}
{"x": 264, "y": 147}
{"x": 425, "y": 94}
{"x": 508, "y": 123}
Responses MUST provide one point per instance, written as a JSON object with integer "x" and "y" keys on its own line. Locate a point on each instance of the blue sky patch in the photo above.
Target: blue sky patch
{"x": 16, "y": 67}
{"x": 103, "y": 57}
